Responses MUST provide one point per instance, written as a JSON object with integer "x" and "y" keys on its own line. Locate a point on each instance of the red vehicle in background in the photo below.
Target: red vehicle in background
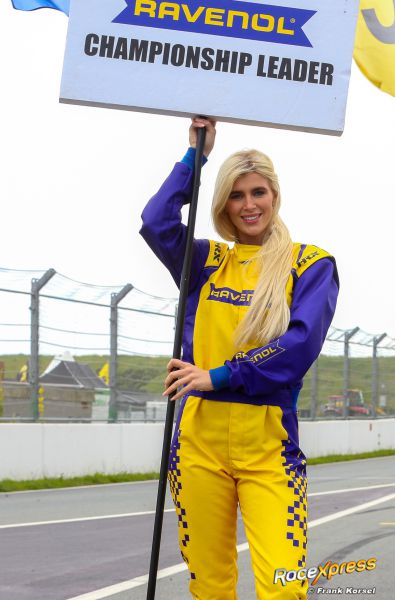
{"x": 355, "y": 404}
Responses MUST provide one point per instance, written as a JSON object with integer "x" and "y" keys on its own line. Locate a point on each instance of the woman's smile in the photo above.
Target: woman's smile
{"x": 250, "y": 207}
{"x": 251, "y": 219}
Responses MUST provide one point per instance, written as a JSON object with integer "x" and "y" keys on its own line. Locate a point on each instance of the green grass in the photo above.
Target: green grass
{"x": 343, "y": 457}
{"x": 330, "y": 379}
{"x": 9, "y": 485}
{"x": 146, "y": 374}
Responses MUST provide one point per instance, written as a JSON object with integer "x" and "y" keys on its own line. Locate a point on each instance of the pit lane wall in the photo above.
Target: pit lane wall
{"x": 36, "y": 450}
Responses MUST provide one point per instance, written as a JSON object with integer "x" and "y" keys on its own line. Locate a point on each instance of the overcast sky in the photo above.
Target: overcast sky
{"x": 75, "y": 179}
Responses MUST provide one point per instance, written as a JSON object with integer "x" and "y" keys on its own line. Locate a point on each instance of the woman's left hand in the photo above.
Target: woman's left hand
{"x": 187, "y": 375}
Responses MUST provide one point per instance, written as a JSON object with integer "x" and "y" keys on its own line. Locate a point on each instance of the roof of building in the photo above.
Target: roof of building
{"x": 73, "y": 373}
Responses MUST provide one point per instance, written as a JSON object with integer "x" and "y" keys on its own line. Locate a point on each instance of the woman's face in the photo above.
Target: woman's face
{"x": 250, "y": 207}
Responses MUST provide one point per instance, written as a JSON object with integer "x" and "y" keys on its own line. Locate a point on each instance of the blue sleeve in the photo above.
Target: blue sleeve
{"x": 163, "y": 229}
{"x": 189, "y": 158}
{"x": 220, "y": 377}
{"x": 284, "y": 361}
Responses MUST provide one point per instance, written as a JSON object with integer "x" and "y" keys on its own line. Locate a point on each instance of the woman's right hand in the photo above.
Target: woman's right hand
{"x": 209, "y": 124}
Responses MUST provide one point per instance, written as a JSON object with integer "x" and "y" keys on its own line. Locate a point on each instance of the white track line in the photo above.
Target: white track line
{"x": 124, "y": 586}
{"x": 80, "y": 519}
{"x": 152, "y": 512}
{"x": 350, "y": 511}
{"x": 356, "y": 489}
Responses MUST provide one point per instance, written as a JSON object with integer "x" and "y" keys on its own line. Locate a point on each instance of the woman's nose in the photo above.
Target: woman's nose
{"x": 249, "y": 201}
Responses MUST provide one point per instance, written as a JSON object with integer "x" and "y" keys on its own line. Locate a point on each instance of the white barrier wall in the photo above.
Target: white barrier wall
{"x": 320, "y": 438}
{"x": 35, "y": 450}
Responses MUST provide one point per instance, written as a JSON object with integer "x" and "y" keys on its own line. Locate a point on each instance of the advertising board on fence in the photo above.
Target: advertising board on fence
{"x": 273, "y": 64}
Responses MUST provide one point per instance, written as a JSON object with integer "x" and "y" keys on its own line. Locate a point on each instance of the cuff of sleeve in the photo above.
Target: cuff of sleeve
{"x": 220, "y": 377}
{"x": 189, "y": 158}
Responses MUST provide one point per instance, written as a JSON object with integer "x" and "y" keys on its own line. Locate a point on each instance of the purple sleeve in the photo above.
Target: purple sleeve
{"x": 163, "y": 230}
{"x": 284, "y": 361}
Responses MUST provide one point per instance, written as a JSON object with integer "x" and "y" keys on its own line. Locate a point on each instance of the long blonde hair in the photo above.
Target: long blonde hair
{"x": 268, "y": 315}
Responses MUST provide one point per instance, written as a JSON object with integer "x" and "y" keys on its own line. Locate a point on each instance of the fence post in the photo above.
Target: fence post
{"x": 175, "y": 316}
{"x": 314, "y": 390}
{"x": 34, "y": 367}
{"x": 1, "y": 389}
{"x": 346, "y": 368}
{"x": 115, "y": 300}
{"x": 375, "y": 373}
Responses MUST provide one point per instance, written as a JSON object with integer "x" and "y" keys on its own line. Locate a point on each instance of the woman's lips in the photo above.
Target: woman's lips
{"x": 250, "y": 219}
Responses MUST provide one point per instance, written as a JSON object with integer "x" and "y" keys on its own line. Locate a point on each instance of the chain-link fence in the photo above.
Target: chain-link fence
{"x": 354, "y": 377}
{"x": 73, "y": 351}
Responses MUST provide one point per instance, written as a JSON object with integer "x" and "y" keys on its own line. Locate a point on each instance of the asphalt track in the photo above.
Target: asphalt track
{"x": 94, "y": 542}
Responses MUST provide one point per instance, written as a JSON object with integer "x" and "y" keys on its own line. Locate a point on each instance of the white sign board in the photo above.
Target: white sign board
{"x": 284, "y": 64}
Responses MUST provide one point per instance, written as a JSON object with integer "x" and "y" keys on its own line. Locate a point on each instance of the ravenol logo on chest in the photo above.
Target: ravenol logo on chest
{"x": 230, "y": 296}
{"x": 229, "y": 18}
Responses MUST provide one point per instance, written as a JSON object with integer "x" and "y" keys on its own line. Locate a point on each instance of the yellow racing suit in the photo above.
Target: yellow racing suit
{"x": 238, "y": 445}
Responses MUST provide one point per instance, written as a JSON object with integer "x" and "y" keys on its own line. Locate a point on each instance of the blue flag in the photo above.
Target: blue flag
{"x": 63, "y": 5}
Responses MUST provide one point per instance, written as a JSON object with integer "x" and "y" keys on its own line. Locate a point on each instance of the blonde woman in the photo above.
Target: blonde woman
{"x": 257, "y": 316}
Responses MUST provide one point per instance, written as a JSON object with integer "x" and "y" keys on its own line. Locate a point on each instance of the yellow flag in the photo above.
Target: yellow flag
{"x": 374, "y": 50}
{"x": 104, "y": 373}
{"x": 23, "y": 373}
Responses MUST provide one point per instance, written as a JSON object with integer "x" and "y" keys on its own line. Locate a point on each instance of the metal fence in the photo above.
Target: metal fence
{"x": 75, "y": 351}
{"x": 354, "y": 377}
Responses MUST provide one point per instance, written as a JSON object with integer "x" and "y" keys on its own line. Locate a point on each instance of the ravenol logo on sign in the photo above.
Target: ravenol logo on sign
{"x": 247, "y": 20}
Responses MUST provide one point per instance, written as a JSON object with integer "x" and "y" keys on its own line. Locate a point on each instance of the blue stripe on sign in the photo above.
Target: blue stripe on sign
{"x": 232, "y": 18}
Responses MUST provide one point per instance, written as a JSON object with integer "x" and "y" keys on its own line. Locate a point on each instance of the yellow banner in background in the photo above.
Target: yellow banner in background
{"x": 104, "y": 373}
{"x": 23, "y": 374}
{"x": 374, "y": 50}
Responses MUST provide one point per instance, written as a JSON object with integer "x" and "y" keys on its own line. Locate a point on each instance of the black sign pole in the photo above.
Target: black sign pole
{"x": 184, "y": 285}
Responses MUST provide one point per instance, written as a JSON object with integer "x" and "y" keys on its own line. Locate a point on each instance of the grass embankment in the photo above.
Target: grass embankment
{"x": 344, "y": 457}
{"x": 146, "y": 374}
{"x": 8, "y": 485}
